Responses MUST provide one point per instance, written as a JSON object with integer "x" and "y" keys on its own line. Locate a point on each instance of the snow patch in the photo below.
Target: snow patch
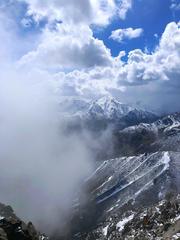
{"x": 177, "y": 218}
{"x": 109, "y": 179}
{"x": 165, "y": 160}
{"x": 176, "y": 236}
{"x": 105, "y": 230}
{"x": 120, "y": 225}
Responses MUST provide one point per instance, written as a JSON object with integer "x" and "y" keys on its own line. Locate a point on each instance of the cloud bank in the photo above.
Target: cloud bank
{"x": 83, "y": 66}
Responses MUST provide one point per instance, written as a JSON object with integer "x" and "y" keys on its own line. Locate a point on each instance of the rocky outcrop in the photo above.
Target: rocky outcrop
{"x": 12, "y": 228}
{"x": 161, "y": 221}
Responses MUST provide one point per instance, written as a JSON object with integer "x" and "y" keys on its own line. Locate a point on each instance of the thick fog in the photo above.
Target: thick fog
{"x": 41, "y": 167}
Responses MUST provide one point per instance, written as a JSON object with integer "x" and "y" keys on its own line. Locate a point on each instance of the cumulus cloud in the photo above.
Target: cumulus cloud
{"x": 93, "y": 77}
{"x": 70, "y": 44}
{"x": 70, "y": 47}
{"x": 90, "y": 11}
{"x": 85, "y": 65}
{"x": 154, "y": 74}
{"x": 127, "y": 33}
{"x": 159, "y": 65}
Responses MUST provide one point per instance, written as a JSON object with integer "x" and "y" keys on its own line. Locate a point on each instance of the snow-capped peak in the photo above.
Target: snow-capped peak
{"x": 105, "y": 108}
{"x": 109, "y": 108}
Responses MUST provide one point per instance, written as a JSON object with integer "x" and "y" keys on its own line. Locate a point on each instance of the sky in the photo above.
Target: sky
{"x": 129, "y": 49}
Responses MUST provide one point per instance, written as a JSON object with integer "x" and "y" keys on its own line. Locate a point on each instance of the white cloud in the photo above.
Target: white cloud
{"x": 89, "y": 11}
{"x": 161, "y": 65}
{"x": 125, "y": 5}
{"x": 127, "y": 33}
{"x": 144, "y": 77}
{"x": 87, "y": 67}
{"x": 152, "y": 78}
{"x": 68, "y": 46}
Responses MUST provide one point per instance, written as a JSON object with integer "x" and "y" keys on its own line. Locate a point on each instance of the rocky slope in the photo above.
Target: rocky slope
{"x": 123, "y": 185}
{"x": 159, "y": 222}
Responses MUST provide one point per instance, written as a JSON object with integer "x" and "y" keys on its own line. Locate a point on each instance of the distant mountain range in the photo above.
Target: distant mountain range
{"x": 107, "y": 110}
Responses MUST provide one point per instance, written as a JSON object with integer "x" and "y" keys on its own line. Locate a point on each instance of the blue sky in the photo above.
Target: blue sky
{"x": 151, "y": 15}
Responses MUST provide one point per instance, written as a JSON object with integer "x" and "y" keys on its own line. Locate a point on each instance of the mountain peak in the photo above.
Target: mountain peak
{"x": 108, "y": 99}
{"x": 109, "y": 108}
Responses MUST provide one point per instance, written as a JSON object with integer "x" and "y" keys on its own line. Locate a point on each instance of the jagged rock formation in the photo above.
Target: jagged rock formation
{"x": 12, "y": 228}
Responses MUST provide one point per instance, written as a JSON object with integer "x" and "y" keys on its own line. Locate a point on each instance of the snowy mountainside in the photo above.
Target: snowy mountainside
{"x": 122, "y": 185}
{"x": 122, "y": 179}
{"x": 169, "y": 125}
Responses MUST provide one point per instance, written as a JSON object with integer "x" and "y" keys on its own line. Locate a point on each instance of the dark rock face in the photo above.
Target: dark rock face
{"x": 135, "y": 117}
{"x": 12, "y": 228}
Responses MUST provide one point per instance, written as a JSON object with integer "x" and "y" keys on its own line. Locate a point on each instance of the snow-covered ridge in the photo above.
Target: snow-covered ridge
{"x": 169, "y": 125}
